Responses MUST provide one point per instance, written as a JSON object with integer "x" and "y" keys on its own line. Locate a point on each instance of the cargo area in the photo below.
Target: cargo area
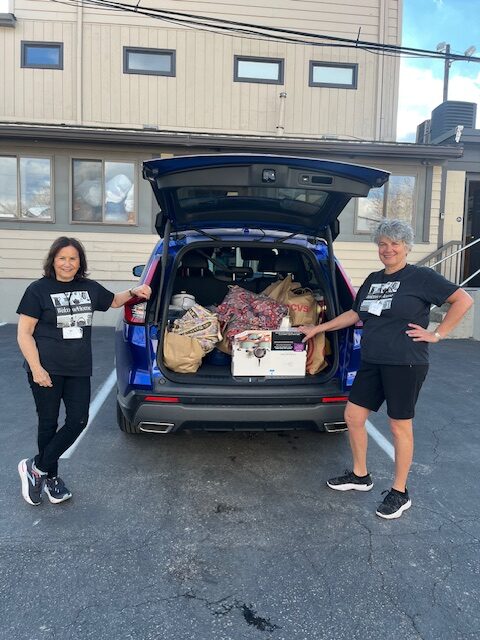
{"x": 224, "y": 280}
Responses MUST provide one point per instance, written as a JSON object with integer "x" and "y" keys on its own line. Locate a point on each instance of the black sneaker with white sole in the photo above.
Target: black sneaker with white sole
{"x": 32, "y": 481}
{"x": 394, "y": 504}
{"x": 351, "y": 481}
{"x": 56, "y": 490}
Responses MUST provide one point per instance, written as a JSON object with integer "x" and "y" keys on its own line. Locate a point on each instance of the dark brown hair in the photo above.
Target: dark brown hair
{"x": 61, "y": 243}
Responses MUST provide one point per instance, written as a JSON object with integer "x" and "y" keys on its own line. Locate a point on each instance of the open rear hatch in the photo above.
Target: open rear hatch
{"x": 214, "y": 194}
{"x": 296, "y": 195}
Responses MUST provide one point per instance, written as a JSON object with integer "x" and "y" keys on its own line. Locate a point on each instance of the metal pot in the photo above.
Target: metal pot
{"x": 184, "y": 300}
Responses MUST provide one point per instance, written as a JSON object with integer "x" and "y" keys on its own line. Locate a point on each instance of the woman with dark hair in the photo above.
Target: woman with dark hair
{"x": 54, "y": 335}
{"x": 394, "y": 306}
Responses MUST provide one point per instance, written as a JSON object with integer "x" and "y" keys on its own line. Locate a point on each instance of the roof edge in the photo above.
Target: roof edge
{"x": 332, "y": 146}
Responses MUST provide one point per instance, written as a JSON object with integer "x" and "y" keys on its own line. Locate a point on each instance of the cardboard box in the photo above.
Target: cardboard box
{"x": 278, "y": 353}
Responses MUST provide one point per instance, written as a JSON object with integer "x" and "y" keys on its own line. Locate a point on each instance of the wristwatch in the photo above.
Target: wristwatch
{"x": 437, "y": 335}
{"x": 130, "y": 291}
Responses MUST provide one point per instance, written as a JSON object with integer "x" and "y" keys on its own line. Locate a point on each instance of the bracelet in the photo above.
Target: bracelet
{"x": 130, "y": 291}
{"x": 437, "y": 335}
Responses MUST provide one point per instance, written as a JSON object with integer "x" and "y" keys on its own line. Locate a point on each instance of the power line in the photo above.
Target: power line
{"x": 244, "y": 29}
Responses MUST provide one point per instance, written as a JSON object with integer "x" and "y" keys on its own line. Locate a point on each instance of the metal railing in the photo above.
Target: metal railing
{"x": 448, "y": 259}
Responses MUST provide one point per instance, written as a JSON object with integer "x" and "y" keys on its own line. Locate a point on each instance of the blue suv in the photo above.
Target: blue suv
{"x": 239, "y": 220}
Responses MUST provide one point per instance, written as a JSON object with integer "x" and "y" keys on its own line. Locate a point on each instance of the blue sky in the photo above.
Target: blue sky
{"x": 425, "y": 24}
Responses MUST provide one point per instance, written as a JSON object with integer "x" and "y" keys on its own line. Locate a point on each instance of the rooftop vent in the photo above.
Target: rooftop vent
{"x": 423, "y": 132}
{"x": 449, "y": 115}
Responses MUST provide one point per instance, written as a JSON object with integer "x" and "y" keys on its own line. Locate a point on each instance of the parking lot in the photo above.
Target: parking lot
{"x": 236, "y": 536}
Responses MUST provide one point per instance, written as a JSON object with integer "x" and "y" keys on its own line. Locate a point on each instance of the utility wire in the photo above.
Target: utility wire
{"x": 244, "y": 29}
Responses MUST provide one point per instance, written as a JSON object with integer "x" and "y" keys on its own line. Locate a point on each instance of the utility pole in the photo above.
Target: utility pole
{"x": 446, "y": 71}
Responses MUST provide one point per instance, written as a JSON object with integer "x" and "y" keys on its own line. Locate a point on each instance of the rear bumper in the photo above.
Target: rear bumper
{"x": 160, "y": 417}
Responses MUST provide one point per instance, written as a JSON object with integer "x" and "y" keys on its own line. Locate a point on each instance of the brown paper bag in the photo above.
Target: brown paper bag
{"x": 224, "y": 346}
{"x": 302, "y": 307}
{"x": 316, "y": 354}
{"x": 279, "y": 290}
{"x": 182, "y": 354}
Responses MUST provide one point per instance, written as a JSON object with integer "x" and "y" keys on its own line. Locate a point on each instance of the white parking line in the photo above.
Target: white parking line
{"x": 382, "y": 442}
{"x": 95, "y": 407}
{"x": 2, "y": 324}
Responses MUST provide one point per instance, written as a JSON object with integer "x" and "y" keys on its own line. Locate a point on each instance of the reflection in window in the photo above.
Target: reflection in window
{"x": 266, "y": 70}
{"x": 25, "y": 188}
{"x": 103, "y": 192}
{"x": 330, "y": 74}
{"x": 396, "y": 199}
{"x": 42, "y": 55}
{"x": 156, "y": 62}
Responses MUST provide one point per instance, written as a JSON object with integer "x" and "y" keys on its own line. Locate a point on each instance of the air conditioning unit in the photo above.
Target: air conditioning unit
{"x": 448, "y": 115}
{"x": 423, "y": 132}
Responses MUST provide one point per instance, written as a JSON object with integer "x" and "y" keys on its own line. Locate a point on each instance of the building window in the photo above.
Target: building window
{"x": 396, "y": 199}
{"x": 42, "y": 55}
{"x": 264, "y": 70}
{"x": 103, "y": 192}
{"x": 332, "y": 74}
{"x": 151, "y": 62}
{"x": 26, "y": 188}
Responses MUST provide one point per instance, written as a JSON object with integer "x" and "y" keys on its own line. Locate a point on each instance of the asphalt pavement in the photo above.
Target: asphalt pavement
{"x": 236, "y": 536}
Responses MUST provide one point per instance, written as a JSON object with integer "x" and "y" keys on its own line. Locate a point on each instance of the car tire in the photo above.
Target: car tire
{"x": 124, "y": 425}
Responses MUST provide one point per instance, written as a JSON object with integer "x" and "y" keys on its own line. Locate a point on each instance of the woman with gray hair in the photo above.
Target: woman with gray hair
{"x": 394, "y": 306}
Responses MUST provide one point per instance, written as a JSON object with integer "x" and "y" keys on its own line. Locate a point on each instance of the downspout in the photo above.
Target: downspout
{"x": 281, "y": 116}
{"x": 79, "y": 69}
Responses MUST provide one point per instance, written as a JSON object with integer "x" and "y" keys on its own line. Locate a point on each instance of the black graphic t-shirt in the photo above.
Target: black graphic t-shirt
{"x": 59, "y": 307}
{"x": 399, "y": 298}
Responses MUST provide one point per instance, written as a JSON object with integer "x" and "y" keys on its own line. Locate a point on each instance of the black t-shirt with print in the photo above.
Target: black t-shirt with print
{"x": 405, "y": 296}
{"x": 58, "y": 305}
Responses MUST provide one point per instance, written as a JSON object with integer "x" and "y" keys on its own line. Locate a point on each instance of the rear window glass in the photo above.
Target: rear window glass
{"x": 306, "y": 201}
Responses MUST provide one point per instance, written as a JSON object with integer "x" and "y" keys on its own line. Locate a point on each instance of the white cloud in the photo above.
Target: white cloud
{"x": 421, "y": 92}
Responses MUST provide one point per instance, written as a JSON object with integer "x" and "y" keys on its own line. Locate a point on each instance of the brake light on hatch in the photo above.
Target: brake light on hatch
{"x": 135, "y": 312}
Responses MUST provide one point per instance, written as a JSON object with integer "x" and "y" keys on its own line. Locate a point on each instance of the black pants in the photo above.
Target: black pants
{"x": 52, "y": 442}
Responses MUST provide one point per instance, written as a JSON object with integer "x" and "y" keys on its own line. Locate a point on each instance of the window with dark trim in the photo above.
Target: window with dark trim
{"x": 333, "y": 74}
{"x": 395, "y": 199}
{"x": 151, "y": 62}
{"x": 103, "y": 191}
{"x": 263, "y": 70}
{"x": 26, "y": 188}
{"x": 42, "y": 55}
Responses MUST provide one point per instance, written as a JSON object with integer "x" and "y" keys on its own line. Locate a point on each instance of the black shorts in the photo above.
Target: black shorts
{"x": 398, "y": 384}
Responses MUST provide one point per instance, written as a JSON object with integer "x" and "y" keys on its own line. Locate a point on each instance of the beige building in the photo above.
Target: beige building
{"x": 91, "y": 92}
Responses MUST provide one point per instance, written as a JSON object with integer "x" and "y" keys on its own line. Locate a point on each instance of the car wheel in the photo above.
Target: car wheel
{"x": 125, "y": 425}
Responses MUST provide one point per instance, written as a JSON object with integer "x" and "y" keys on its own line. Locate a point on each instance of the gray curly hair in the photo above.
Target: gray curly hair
{"x": 395, "y": 230}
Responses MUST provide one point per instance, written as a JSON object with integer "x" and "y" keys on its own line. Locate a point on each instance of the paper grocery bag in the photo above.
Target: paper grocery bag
{"x": 316, "y": 354}
{"x": 279, "y": 290}
{"x": 182, "y": 354}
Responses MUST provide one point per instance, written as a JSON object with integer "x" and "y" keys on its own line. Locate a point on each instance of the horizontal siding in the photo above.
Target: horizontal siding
{"x": 112, "y": 256}
{"x": 361, "y": 258}
{"x": 435, "y": 205}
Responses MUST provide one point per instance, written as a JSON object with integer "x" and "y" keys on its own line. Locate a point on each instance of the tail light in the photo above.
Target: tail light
{"x": 335, "y": 399}
{"x": 135, "y": 310}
